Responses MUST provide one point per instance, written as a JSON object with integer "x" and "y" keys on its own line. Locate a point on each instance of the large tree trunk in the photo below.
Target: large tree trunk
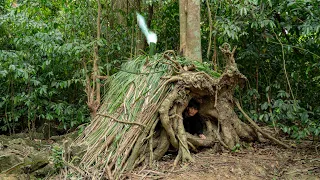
{"x": 190, "y": 38}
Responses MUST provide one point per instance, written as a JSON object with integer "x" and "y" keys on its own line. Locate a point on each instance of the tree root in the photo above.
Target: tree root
{"x": 268, "y": 136}
{"x": 162, "y": 147}
{"x": 164, "y": 116}
{"x": 222, "y": 125}
{"x": 198, "y": 142}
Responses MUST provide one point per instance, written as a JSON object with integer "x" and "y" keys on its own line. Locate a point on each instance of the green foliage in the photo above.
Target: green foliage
{"x": 166, "y": 26}
{"x": 56, "y": 158}
{"x": 259, "y": 28}
{"x": 39, "y": 69}
{"x": 236, "y": 148}
{"x": 206, "y": 67}
{"x": 288, "y": 115}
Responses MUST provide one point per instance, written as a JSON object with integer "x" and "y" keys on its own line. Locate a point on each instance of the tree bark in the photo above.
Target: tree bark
{"x": 190, "y": 37}
{"x": 93, "y": 91}
{"x": 183, "y": 26}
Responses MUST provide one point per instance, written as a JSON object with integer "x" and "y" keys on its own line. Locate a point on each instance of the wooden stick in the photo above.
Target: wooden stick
{"x": 178, "y": 65}
{"x": 109, "y": 173}
{"x": 102, "y": 77}
{"x": 82, "y": 172}
{"x": 125, "y": 122}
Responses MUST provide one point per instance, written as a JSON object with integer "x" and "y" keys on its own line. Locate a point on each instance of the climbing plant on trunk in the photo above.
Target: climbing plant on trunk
{"x": 93, "y": 79}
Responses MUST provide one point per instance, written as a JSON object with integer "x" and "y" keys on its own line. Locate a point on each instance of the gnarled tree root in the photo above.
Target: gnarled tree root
{"x": 222, "y": 125}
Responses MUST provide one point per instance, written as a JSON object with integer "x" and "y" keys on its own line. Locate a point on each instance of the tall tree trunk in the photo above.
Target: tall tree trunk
{"x": 140, "y": 40}
{"x": 183, "y": 26}
{"x": 212, "y": 28}
{"x": 150, "y": 15}
{"x": 96, "y": 53}
{"x": 215, "y": 55}
{"x": 120, "y": 5}
{"x": 93, "y": 91}
{"x": 190, "y": 38}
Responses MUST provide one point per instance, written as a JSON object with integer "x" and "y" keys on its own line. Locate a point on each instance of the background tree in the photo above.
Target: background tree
{"x": 190, "y": 38}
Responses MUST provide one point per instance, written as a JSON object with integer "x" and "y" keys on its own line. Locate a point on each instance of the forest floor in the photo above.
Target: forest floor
{"x": 255, "y": 161}
{"x": 250, "y": 161}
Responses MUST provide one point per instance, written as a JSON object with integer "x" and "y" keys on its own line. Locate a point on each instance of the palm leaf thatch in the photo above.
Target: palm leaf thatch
{"x": 141, "y": 114}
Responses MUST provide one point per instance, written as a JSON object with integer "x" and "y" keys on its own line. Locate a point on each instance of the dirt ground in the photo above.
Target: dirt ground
{"x": 251, "y": 161}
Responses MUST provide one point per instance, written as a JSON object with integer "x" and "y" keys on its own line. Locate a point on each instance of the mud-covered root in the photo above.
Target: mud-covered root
{"x": 203, "y": 87}
{"x": 162, "y": 147}
{"x": 181, "y": 135}
{"x": 232, "y": 128}
{"x": 174, "y": 105}
{"x": 165, "y": 119}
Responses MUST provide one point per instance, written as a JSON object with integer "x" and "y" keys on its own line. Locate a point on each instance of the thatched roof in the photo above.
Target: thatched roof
{"x": 129, "y": 109}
